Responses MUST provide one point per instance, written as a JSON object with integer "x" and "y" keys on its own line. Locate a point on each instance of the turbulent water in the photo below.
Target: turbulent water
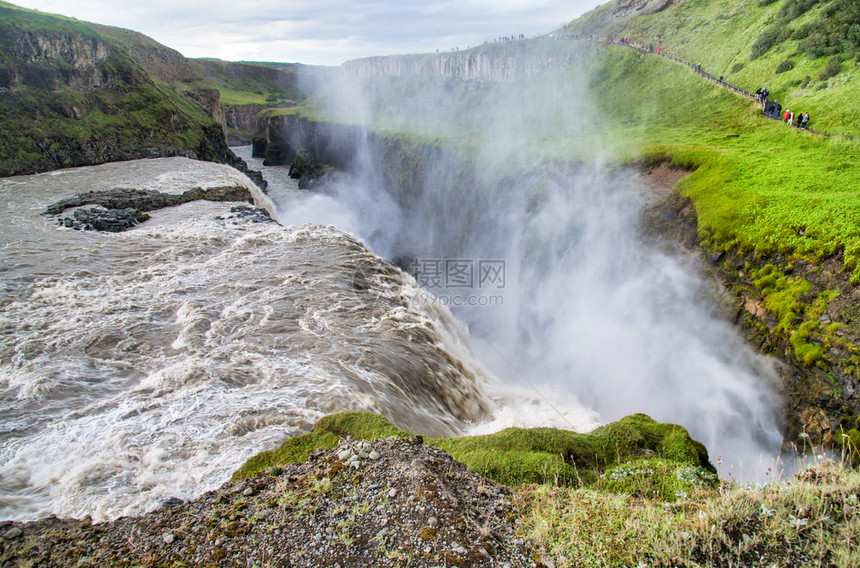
{"x": 148, "y": 364}
{"x": 564, "y": 303}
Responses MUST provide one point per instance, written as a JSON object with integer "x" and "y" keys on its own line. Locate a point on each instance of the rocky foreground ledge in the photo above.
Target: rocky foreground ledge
{"x": 359, "y": 491}
{"x": 390, "y": 502}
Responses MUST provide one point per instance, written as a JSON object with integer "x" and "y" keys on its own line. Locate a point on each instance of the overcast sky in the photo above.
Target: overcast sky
{"x": 324, "y": 32}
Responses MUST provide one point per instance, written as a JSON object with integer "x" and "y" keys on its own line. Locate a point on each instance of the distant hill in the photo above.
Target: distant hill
{"x": 74, "y": 93}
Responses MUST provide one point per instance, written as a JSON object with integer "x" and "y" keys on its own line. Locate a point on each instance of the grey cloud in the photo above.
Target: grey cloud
{"x": 321, "y": 32}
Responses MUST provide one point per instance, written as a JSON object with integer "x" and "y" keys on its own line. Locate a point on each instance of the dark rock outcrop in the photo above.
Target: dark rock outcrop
{"x": 284, "y": 139}
{"x": 243, "y": 213}
{"x": 98, "y": 218}
{"x": 118, "y": 209}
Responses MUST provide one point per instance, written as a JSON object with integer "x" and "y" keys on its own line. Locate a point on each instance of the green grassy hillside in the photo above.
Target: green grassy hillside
{"x": 252, "y": 83}
{"x": 804, "y": 51}
{"x": 73, "y": 95}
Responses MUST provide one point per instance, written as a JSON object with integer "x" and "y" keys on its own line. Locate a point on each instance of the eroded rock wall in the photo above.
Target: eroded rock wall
{"x": 496, "y": 62}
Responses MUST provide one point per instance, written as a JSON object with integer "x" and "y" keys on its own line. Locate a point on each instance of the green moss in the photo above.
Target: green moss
{"x": 324, "y": 435}
{"x": 850, "y": 443}
{"x": 807, "y": 353}
{"x": 781, "y": 293}
{"x": 540, "y": 455}
{"x": 513, "y": 456}
{"x": 785, "y": 297}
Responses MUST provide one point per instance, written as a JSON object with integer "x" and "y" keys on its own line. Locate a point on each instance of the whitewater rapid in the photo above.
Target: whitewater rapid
{"x": 150, "y": 364}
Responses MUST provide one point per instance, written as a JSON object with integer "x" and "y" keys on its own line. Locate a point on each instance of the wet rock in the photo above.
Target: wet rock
{"x": 816, "y": 425}
{"x": 246, "y": 214}
{"x": 119, "y": 209}
{"x": 107, "y": 220}
{"x": 171, "y": 502}
{"x": 13, "y": 533}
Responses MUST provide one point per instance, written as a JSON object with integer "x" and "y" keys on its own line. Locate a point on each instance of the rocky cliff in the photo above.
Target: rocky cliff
{"x": 280, "y": 139}
{"x": 493, "y": 62}
{"x": 77, "y": 94}
{"x": 603, "y": 17}
{"x": 53, "y": 61}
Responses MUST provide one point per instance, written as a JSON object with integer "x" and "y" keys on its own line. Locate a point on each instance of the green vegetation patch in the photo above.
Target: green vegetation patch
{"x": 59, "y": 112}
{"x": 252, "y": 83}
{"x": 323, "y": 436}
{"x": 656, "y": 478}
{"x": 548, "y": 455}
{"x": 803, "y": 32}
{"x": 759, "y": 186}
{"x": 518, "y": 456}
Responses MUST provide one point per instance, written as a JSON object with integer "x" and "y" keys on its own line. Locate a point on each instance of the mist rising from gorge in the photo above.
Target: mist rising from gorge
{"x": 587, "y": 317}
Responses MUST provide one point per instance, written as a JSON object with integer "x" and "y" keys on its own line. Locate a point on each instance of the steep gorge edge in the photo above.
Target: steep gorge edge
{"x": 78, "y": 94}
{"x": 819, "y": 402}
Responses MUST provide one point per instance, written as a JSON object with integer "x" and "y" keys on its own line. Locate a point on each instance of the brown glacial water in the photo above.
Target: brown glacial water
{"x": 149, "y": 364}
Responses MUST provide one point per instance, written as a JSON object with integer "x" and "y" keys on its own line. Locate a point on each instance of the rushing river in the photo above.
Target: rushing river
{"x": 150, "y": 364}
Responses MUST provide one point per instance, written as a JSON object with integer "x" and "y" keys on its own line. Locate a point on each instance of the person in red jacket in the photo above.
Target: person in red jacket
{"x": 786, "y": 115}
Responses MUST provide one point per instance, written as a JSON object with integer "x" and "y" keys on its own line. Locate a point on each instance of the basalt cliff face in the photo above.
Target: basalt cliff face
{"x": 507, "y": 61}
{"x": 54, "y": 61}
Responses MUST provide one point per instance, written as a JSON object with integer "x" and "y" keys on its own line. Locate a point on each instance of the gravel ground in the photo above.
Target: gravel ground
{"x": 383, "y": 503}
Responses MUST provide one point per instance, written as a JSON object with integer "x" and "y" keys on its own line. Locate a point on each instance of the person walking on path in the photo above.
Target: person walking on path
{"x": 786, "y": 116}
{"x": 804, "y": 121}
